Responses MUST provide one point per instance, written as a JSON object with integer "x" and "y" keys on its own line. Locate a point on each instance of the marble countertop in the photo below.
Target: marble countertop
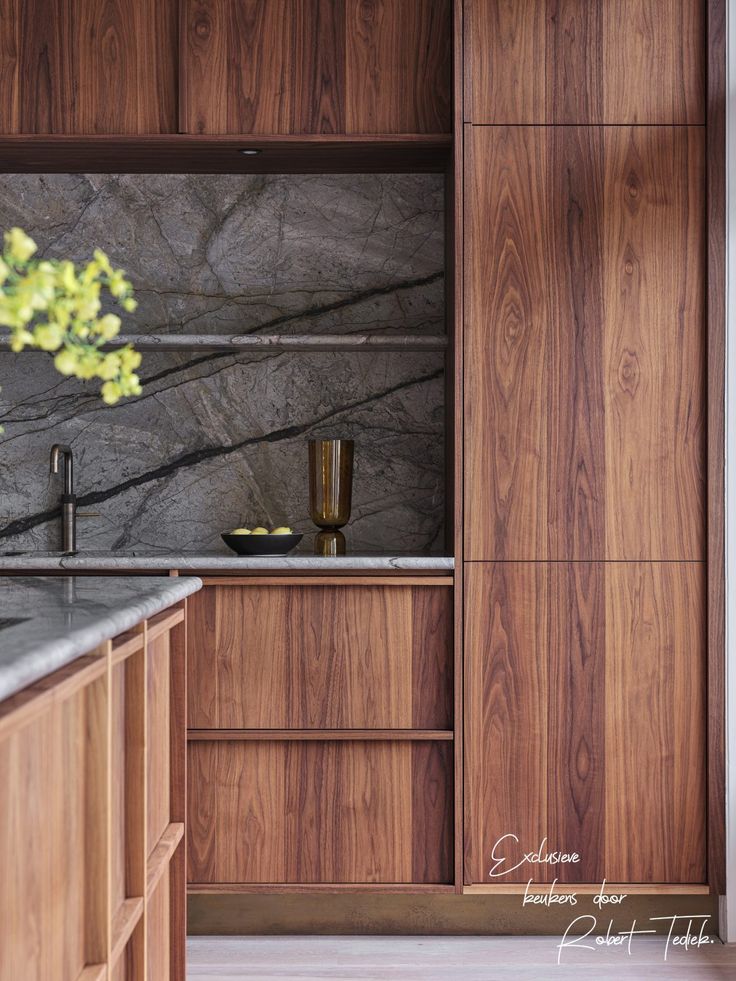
{"x": 223, "y": 561}
{"x": 62, "y": 617}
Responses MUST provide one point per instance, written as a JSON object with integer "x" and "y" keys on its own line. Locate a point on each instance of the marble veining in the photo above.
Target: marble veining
{"x": 63, "y": 617}
{"x": 228, "y": 254}
{"x": 218, "y": 438}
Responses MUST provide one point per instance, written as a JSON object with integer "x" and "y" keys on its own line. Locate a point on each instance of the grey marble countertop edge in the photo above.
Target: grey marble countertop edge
{"x": 205, "y": 561}
{"x": 47, "y": 656}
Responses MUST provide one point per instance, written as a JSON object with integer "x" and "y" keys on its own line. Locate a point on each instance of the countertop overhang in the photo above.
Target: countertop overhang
{"x": 103, "y": 561}
{"x": 55, "y": 619}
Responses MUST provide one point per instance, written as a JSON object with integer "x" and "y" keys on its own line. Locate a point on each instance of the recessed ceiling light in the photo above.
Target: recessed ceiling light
{"x": 249, "y": 152}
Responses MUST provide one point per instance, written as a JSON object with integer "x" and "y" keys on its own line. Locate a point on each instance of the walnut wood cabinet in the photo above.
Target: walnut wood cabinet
{"x": 584, "y": 443}
{"x": 618, "y": 62}
{"x": 584, "y": 233}
{"x": 585, "y": 343}
{"x": 88, "y": 66}
{"x": 585, "y": 712}
{"x": 292, "y": 67}
{"x": 92, "y": 762}
{"x": 316, "y": 66}
{"x": 321, "y": 733}
{"x": 328, "y": 656}
{"x": 327, "y": 811}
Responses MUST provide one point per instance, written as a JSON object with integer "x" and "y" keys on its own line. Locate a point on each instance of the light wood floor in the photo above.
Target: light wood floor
{"x": 449, "y": 959}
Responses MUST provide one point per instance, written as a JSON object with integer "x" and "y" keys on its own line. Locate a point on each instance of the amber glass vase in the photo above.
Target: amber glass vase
{"x": 330, "y": 481}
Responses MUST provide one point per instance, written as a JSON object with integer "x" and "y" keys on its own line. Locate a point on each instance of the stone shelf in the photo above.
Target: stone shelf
{"x": 276, "y": 342}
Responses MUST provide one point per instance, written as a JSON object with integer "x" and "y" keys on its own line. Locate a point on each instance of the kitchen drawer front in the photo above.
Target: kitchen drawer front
{"x": 321, "y": 657}
{"x": 320, "y": 812}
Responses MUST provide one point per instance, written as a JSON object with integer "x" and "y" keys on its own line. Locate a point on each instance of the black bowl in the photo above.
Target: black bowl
{"x": 262, "y": 544}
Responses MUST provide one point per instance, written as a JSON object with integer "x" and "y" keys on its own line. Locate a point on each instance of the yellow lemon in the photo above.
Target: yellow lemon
{"x": 282, "y": 531}
{"x": 260, "y": 531}
{"x": 240, "y": 531}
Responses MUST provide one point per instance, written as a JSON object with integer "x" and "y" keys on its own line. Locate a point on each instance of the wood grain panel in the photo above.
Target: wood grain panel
{"x": 576, "y": 323}
{"x": 584, "y": 344}
{"x": 261, "y": 40}
{"x": 42, "y": 901}
{"x": 506, "y": 715}
{"x": 202, "y": 704}
{"x": 432, "y": 658}
{"x": 572, "y": 61}
{"x": 158, "y": 928}
{"x": 319, "y": 75}
{"x": 88, "y": 67}
{"x": 577, "y": 706}
{"x": 105, "y": 98}
{"x": 655, "y": 342}
{"x": 158, "y": 739}
{"x": 10, "y": 45}
{"x": 45, "y": 84}
{"x": 654, "y": 70}
{"x": 118, "y": 891}
{"x": 318, "y": 812}
{"x": 501, "y": 43}
{"x": 320, "y": 657}
{"x": 655, "y": 723}
{"x": 398, "y": 66}
{"x": 315, "y": 66}
{"x": 98, "y": 911}
{"x": 157, "y": 27}
{"x": 204, "y": 43}
{"x": 507, "y": 345}
{"x": 178, "y": 800}
{"x": 136, "y": 791}
{"x": 202, "y": 796}
{"x": 433, "y": 812}
{"x": 574, "y": 43}
{"x": 585, "y": 720}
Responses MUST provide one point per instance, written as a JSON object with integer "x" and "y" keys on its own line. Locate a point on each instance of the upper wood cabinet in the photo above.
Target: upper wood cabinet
{"x": 88, "y": 66}
{"x": 315, "y": 66}
{"x": 585, "y": 720}
{"x": 584, "y": 343}
{"x": 582, "y": 61}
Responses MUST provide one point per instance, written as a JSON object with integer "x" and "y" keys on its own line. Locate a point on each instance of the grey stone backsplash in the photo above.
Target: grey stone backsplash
{"x": 228, "y": 254}
{"x": 217, "y": 438}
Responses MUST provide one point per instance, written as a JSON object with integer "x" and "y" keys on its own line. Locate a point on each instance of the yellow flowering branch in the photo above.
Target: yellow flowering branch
{"x": 51, "y": 305}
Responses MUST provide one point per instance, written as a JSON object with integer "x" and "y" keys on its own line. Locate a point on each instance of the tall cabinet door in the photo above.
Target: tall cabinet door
{"x": 585, "y": 61}
{"x": 585, "y": 662}
{"x": 585, "y": 721}
{"x": 584, "y": 343}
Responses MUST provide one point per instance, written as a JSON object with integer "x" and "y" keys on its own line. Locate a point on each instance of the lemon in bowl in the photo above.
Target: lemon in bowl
{"x": 260, "y": 541}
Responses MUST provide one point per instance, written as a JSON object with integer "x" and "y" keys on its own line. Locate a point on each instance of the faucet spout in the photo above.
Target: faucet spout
{"x": 59, "y": 450}
{"x": 68, "y": 500}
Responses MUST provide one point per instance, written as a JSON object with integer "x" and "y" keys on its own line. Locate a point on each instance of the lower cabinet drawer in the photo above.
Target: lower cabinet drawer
{"x": 320, "y": 657}
{"x": 320, "y": 812}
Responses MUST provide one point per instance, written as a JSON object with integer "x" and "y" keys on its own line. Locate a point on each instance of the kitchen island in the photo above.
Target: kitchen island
{"x": 92, "y": 764}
